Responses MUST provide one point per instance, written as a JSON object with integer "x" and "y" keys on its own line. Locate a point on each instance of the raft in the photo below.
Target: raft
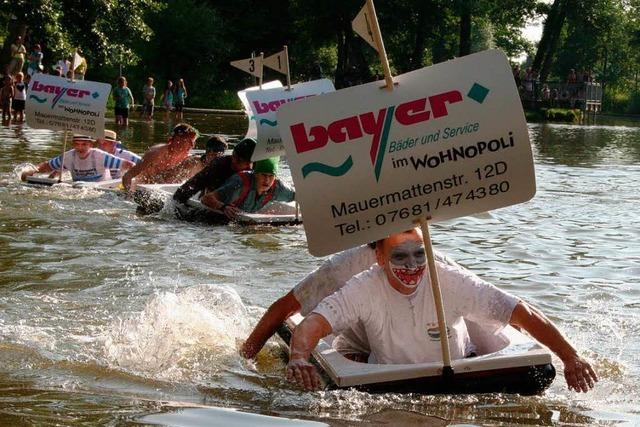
{"x": 508, "y": 362}
{"x": 151, "y": 198}
{"x": 108, "y": 185}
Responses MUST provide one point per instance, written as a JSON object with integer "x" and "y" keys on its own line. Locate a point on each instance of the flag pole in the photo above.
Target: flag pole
{"x": 447, "y": 370}
{"x": 64, "y": 150}
{"x": 261, "y": 68}
{"x": 286, "y": 61}
{"x": 74, "y": 65}
{"x": 381, "y": 50}
{"x": 253, "y": 55}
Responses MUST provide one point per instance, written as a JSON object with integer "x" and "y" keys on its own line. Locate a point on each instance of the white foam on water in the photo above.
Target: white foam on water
{"x": 182, "y": 336}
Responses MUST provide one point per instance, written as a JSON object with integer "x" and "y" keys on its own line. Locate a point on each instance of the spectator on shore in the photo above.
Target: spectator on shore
{"x": 64, "y": 65}
{"x": 122, "y": 95}
{"x": 80, "y": 69}
{"x": 18, "y": 52}
{"x": 35, "y": 61}
{"x": 516, "y": 75}
{"x": 6, "y": 97}
{"x": 554, "y": 97}
{"x": 528, "y": 83}
{"x": 572, "y": 77}
{"x": 19, "y": 98}
{"x": 181, "y": 94}
{"x": 148, "y": 99}
{"x": 546, "y": 94}
{"x": 167, "y": 99}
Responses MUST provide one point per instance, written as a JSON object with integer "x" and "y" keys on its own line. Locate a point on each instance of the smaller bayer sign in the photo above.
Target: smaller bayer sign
{"x": 450, "y": 140}
{"x": 265, "y": 103}
{"x": 252, "y": 131}
{"x": 59, "y": 104}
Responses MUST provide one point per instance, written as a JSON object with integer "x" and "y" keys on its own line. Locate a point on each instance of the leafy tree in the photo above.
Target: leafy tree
{"x": 104, "y": 29}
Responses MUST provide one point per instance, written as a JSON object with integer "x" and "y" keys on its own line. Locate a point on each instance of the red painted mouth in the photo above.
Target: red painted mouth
{"x": 409, "y": 276}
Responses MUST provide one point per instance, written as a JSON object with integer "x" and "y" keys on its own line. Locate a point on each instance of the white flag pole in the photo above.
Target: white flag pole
{"x": 261, "y": 68}
{"x": 74, "y": 65}
{"x": 64, "y": 150}
{"x": 447, "y": 370}
{"x": 255, "y": 79}
{"x": 286, "y": 62}
{"x": 381, "y": 51}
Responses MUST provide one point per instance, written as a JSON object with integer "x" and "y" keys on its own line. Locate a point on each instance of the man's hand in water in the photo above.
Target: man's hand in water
{"x": 579, "y": 374}
{"x": 304, "y": 374}
{"x": 231, "y": 212}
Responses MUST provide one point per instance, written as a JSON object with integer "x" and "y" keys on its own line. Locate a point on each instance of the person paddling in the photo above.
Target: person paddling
{"x": 250, "y": 191}
{"x": 84, "y": 162}
{"x": 162, "y": 157}
{"x": 109, "y": 144}
{"x": 217, "y": 172}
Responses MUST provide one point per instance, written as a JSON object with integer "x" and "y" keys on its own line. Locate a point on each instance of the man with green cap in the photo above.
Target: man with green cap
{"x": 218, "y": 171}
{"x": 250, "y": 191}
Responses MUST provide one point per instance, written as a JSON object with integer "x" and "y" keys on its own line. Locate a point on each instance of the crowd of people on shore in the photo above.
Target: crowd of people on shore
{"x": 172, "y": 99}
{"x": 24, "y": 64}
{"x": 567, "y": 94}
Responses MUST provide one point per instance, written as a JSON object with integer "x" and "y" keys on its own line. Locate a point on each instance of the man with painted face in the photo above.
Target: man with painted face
{"x": 394, "y": 304}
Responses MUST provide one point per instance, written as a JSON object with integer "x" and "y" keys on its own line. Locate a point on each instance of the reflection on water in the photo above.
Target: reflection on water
{"x": 105, "y": 318}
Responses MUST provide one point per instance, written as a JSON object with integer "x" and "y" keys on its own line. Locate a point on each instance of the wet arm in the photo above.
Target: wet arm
{"x": 578, "y": 373}
{"x": 43, "y": 167}
{"x": 194, "y": 185}
{"x": 141, "y": 167}
{"x": 305, "y": 338}
{"x": 277, "y": 313}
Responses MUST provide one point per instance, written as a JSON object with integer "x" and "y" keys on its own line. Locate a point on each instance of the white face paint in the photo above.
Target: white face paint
{"x": 407, "y": 263}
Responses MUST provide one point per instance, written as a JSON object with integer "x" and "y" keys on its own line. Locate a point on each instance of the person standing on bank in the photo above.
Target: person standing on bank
{"x": 148, "y": 99}
{"x": 181, "y": 95}
{"x": 19, "y": 98}
{"x": 123, "y": 98}
{"x": 167, "y": 99}
{"x": 18, "y": 52}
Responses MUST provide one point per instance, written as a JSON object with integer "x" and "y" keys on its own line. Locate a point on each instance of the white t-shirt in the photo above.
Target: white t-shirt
{"x": 121, "y": 153}
{"x": 94, "y": 167}
{"x": 404, "y": 328}
{"x": 331, "y": 276}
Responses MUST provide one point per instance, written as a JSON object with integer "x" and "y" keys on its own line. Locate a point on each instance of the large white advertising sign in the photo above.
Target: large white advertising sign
{"x": 450, "y": 140}
{"x": 252, "y": 132}
{"x": 60, "y": 104}
{"x": 265, "y": 103}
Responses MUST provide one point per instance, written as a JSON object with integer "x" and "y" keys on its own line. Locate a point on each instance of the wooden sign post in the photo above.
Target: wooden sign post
{"x": 366, "y": 25}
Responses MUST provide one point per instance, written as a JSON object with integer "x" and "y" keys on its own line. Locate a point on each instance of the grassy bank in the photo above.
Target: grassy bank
{"x": 560, "y": 115}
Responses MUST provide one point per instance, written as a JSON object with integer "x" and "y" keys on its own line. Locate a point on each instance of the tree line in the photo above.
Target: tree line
{"x": 196, "y": 39}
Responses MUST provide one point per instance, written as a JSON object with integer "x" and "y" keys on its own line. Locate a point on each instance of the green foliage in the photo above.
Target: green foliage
{"x": 562, "y": 115}
{"x": 196, "y": 39}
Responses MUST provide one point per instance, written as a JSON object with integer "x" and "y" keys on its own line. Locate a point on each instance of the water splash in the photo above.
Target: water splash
{"x": 184, "y": 336}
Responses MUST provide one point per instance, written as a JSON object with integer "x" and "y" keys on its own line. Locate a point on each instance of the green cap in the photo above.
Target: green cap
{"x": 266, "y": 165}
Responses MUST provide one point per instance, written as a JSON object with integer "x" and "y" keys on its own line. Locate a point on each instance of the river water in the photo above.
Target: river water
{"x": 107, "y": 317}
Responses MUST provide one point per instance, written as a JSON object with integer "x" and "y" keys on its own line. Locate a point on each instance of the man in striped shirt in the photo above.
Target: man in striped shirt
{"x": 109, "y": 144}
{"x": 84, "y": 162}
